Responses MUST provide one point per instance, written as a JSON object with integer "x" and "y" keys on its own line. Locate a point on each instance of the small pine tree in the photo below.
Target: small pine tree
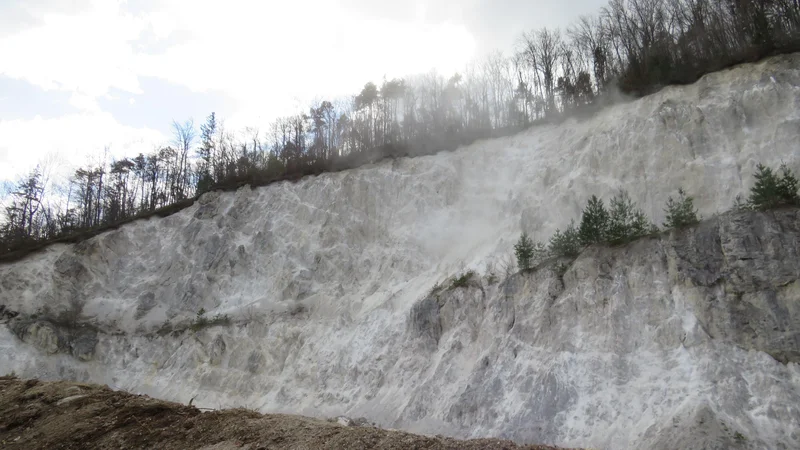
{"x": 626, "y": 222}
{"x": 594, "y": 222}
{"x": 567, "y": 243}
{"x": 540, "y": 253}
{"x": 788, "y": 187}
{"x": 681, "y": 212}
{"x": 523, "y": 250}
{"x": 204, "y": 182}
{"x": 765, "y": 193}
{"x": 642, "y": 226}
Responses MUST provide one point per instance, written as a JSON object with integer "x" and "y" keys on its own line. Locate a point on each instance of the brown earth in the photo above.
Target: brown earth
{"x": 66, "y": 415}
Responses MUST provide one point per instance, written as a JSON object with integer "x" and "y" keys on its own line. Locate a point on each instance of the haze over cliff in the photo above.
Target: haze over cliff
{"x": 690, "y": 337}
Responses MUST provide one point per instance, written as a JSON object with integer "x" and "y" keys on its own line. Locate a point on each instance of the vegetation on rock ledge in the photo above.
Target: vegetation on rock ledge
{"x": 624, "y": 222}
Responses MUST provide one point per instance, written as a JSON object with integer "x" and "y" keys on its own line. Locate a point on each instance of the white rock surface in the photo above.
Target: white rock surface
{"x": 320, "y": 278}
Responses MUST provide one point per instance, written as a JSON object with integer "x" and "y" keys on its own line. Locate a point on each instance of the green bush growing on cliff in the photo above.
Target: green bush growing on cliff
{"x": 523, "y": 250}
{"x": 462, "y": 280}
{"x": 771, "y": 190}
{"x": 681, "y": 212}
{"x": 788, "y": 187}
{"x": 566, "y": 243}
{"x": 201, "y": 321}
{"x": 626, "y": 222}
{"x": 529, "y": 253}
{"x": 594, "y": 222}
{"x": 540, "y": 253}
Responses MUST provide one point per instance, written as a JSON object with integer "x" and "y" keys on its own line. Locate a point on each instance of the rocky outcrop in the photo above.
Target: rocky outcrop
{"x": 75, "y": 339}
{"x": 740, "y": 274}
{"x": 730, "y": 282}
{"x": 737, "y": 274}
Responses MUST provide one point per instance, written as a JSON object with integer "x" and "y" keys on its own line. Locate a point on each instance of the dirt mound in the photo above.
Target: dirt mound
{"x": 64, "y": 415}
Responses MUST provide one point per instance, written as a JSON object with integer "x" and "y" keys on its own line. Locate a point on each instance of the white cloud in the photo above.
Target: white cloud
{"x": 255, "y": 51}
{"x": 84, "y": 102}
{"x": 263, "y": 54}
{"x": 75, "y": 138}
{"x": 87, "y": 52}
{"x": 275, "y": 57}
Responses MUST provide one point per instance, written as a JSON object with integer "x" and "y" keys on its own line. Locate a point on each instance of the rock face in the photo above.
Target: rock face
{"x": 690, "y": 337}
{"x": 78, "y": 340}
{"x": 685, "y": 321}
{"x": 742, "y": 283}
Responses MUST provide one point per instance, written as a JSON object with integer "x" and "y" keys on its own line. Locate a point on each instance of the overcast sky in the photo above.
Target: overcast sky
{"x": 79, "y": 75}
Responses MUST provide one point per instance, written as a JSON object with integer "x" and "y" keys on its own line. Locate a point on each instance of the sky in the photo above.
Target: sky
{"x": 80, "y": 77}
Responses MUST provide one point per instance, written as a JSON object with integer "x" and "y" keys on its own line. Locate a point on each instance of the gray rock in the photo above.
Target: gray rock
{"x": 424, "y": 321}
{"x": 42, "y": 335}
{"x": 66, "y": 400}
{"x": 700, "y": 429}
{"x": 255, "y": 361}
{"x": 741, "y": 274}
{"x": 53, "y": 337}
{"x": 147, "y": 301}
{"x": 733, "y": 280}
{"x": 217, "y": 350}
{"x": 82, "y": 343}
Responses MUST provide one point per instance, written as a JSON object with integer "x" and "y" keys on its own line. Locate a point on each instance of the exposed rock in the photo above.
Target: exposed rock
{"x": 42, "y": 335}
{"x": 147, "y": 301}
{"x": 6, "y": 314}
{"x": 741, "y": 275}
{"x": 700, "y": 429}
{"x": 424, "y": 320}
{"x": 255, "y": 361}
{"x": 66, "y": 400}
{"x": 217, "y": 350}
{"x": 82, "y": 343}
{"x": 357, "y": 422}
{"x": 705, "y": 288}
{"x": 51, "y": 337}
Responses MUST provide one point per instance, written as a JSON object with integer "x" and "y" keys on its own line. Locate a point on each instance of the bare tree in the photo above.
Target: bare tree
{"x": 183, "y": 136}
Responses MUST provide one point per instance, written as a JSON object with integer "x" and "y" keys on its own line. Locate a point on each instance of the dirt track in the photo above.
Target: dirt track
{"x": 62, "y": 415}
